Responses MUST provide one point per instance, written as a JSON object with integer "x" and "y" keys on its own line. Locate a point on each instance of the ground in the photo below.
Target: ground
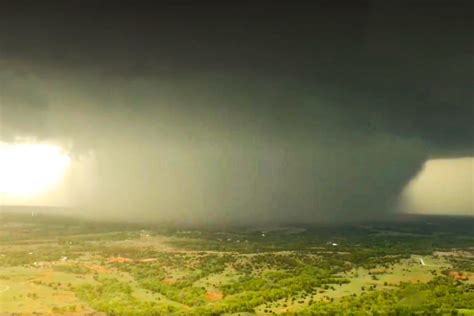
{"x": 57, "y": 265}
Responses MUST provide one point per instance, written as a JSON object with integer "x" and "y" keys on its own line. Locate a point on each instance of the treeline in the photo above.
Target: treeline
{"x": 441, "y": 296}
{"x": 115, "y": 298}
{"x": 151, "y": 276}
{"x": 249, "y": 292}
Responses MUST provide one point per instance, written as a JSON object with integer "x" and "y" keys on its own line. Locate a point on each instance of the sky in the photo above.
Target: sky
{"x": 442, "y": 186}
{"x": 243, "y": 112}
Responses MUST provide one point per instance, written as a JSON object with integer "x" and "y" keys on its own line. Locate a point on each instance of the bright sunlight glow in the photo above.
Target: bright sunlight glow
{"x": 28, "y": 169}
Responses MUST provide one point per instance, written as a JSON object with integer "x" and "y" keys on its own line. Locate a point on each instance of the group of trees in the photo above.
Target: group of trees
{"x": 269, "y": 277}
{"x": 151, "y": 275}
{"x": 441, "y": 296}
{"x": 115, "y": 298}
{"x": 273, "y": 268}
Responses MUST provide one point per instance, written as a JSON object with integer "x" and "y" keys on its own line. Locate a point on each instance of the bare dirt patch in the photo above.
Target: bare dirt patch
{"x": 214, "y": 296}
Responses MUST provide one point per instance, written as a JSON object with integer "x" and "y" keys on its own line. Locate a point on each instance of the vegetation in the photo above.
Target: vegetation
{"x": 440, "y": 296}
{"x": 60, "y": 265}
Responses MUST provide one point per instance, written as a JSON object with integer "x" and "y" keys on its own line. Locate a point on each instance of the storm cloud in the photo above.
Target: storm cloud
{"x": 249, "y": 114}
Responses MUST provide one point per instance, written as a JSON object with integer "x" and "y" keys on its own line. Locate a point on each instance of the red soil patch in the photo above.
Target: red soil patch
{"x": 214, "y": 296}
{"x": 458, "y": 275}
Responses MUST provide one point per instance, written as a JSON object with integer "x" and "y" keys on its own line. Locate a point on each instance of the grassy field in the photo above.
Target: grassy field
{"x": 364, "y": 280}
{"x": 28, "y": 289}
{"x": 58, "y": 266}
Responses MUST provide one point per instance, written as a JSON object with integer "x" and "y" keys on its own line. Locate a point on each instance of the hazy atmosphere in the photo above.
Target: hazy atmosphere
{"x": 237, "y": 113}
{"x": 236, "y": 158}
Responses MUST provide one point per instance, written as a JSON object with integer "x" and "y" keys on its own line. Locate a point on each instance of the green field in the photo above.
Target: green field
{"x": 56, "y": 265}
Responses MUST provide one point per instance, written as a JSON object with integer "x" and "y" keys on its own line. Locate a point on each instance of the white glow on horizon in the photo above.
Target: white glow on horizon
{"x": 443, "y": 186}
{"x": 30, "y": 169}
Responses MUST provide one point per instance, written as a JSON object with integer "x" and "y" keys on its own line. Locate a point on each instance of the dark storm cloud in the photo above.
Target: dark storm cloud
{"x": 243, "y": 112}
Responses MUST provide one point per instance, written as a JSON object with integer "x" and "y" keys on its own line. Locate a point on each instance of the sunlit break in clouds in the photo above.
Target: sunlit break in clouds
{"x": 30, "y": 169}
{"x": 443, "y": 186}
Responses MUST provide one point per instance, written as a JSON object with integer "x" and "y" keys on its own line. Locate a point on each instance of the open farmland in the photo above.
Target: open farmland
{"x": 55, "y": 265}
